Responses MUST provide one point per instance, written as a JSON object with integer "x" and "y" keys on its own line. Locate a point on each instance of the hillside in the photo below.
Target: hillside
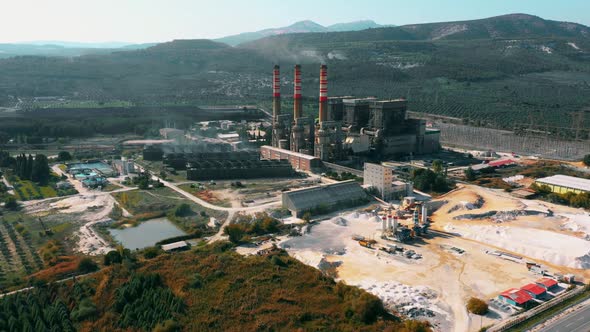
{"x": 209, "y": 289}
{"x": 297, "y": 27}
{"x": 492, "y": 72}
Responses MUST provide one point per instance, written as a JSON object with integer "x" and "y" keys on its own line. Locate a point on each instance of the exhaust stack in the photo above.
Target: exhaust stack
{"x": 297, "y": 107}
{"x": 276, "y": 93}
{"x": 323, "y": 93}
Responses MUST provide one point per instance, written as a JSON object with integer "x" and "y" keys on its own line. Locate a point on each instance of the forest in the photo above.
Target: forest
{"x": 208, "y": 288}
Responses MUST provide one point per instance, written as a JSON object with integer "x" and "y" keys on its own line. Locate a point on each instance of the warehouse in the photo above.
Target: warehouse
{"x": 298, "y": 160}
{"x": 324, "y": 198}
{"x": 534, "y": 290}
{"x": 516, "y": 297}
{"x": 562, "y": 184}
{"x": 547, "y": 283}
{"x": 237, "y": 169}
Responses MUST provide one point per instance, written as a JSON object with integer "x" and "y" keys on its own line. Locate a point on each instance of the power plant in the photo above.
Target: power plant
{"x": 348, "y": 126}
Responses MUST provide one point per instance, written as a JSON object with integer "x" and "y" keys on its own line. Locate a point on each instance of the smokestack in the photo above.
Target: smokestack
{"x": 323, "y": 93}
{"x": 424, "y": 214}
{"x": 276, "y": 93}
{"x": 297, "y": 93}
{"x": 384, "y": 224}
{"x": 394, "y": 224}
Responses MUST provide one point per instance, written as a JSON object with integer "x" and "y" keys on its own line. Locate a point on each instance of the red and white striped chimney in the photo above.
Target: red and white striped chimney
{"x": 323, "y": 93}
{"x": 297, "y": 107}
{"x": 276, "y": 92}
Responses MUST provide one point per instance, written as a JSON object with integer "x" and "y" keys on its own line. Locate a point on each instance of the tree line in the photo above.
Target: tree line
{"x": 32, "y": 168}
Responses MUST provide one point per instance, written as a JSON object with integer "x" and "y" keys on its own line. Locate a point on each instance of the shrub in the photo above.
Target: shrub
{"x": 10, "y": 203}
{"x": 477, "y": 306}
{"x": 197, "y": 281}
{"x": 586, "y": 160}
{"x": 151, "y": 252}
{"x": 112, "y": 257}
{"x": 183, "y": 210}
{"x": 367, "y": 308}
{"x": 87, "y": 265}
{"x": 64, "y": 156}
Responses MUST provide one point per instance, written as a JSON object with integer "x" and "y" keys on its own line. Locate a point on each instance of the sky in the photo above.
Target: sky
{"x": 139, "y": 21}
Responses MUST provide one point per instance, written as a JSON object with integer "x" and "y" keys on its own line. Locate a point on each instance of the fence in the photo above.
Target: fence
{"x": 503, "y": 326}
{"x": 506, "y": 141}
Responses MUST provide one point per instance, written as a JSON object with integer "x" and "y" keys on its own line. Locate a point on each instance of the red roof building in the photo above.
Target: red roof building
{"x": 516, "y": 296}
{"x": 534, "y": 290}
{"x": 546, "y": 283}
{"x": 501, "y": 163}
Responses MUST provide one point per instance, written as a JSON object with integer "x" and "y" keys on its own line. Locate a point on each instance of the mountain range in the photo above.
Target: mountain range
{"x": 490, "y": 71}
{"x": 299, "y": 27}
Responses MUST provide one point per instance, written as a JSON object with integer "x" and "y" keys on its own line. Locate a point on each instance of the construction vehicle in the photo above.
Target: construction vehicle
{"x": 367, "y": 243}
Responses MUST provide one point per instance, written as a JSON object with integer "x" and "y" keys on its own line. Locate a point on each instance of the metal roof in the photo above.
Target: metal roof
{"x": 517, "y": 295}
{"x": 175, "y": 245}
{"x": 289, "y": 152}
{"x": 547, "y": 282}
{"x": 567, "y": 181}
{"x": 533, "y": 288}
{"x": 329, "y": 194}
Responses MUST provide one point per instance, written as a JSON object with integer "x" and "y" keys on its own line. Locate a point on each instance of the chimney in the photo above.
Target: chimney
{"x": 276, "y": 93}
{"x": 297, "y": 93}
{"x": 323, "y": 93}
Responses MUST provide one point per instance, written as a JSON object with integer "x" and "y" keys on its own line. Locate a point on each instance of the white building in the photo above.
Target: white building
{"x": 379, "y": 177}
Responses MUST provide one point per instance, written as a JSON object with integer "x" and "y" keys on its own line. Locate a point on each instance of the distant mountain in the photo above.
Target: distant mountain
{"x": 356, "y": 26}
{"x": 490, "y": 70}
{"x": 298, "y": 27}
{"x": 65, "y": 49}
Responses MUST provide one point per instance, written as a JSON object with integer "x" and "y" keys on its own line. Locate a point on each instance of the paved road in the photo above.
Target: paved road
{"x": 578, "y": 321}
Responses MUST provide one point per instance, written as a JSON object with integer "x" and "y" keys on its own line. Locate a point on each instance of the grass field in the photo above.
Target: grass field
{"x": 27, "y": 190}
{"x": 164, "y": 200}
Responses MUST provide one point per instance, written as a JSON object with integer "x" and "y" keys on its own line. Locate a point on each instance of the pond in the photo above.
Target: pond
{"x": 146, "y": 234}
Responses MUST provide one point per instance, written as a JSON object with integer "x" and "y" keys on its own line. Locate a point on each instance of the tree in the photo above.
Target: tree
{"x": 64, "y": 156}
{"x": 183, "y": 210}
{"x": 586, "y": 160}
{"x": 87, "y": 265}
{"x": 437, "y": 166}
{"x": 10, "y": 203}
{"x": 470, "y": 174}
{"x": 112, "y": 257}
{"x": 40, "y": 169}
{"x": 235, "y": 232}
{"x": 306, "y": 216}
{"x": 477, "y": 306}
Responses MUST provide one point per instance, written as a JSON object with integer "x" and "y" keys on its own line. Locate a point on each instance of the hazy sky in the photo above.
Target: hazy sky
{"x": 162, "y": 20}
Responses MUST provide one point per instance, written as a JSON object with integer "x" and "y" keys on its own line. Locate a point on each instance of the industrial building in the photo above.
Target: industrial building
{"x": 380, "y": 178}
{"x": 124, "y": 166}
{"x": 547, "y": 283}
{"x": 237, "y": 169}
{"x": 348, "y": 126}
{"x": 324, "y": 198}
{"x": 534, "y": 290}
{"x": 562, "y": 184}
{"x": 179, "y": 161}
{"x": 515, "y": 297}
{"x": 300, "y": 161}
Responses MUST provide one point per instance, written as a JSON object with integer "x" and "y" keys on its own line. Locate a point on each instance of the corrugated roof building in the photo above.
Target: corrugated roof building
{"x": 562, "y": 184}
{"x": 324, "y": 198}
{"x": 534, "y": 290}
{"x": 517, "y": 297}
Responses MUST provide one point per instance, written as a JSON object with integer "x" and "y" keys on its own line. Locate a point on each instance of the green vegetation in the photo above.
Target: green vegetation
{"x": 431, "y": 181}
{"x": 586, "y": 160}
{"x": 245, "y": 226}
{"x": 10, "y": 203}
{"x": 477, "y": 306}
{"x": 183, "y": 291}
{"x": 64, "y": 156}
{"x": 581, "y": 200}
{"x": 342, "y": 176}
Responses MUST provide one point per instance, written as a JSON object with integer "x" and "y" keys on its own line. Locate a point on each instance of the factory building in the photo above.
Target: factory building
{"x": 348, "y": 126}
{"x": 324, "y": 198}
{"x": 547, "y": 283}
{"x": 534, "y": 290}
{"x": 380, "y": 178}
{"x": 300, "y": 161}
{"x": 562, "y": 184}
{"x": 237, "y": 169}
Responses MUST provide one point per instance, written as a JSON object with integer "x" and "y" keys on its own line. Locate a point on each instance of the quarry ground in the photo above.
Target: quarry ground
{"x": 437, "y": 286}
